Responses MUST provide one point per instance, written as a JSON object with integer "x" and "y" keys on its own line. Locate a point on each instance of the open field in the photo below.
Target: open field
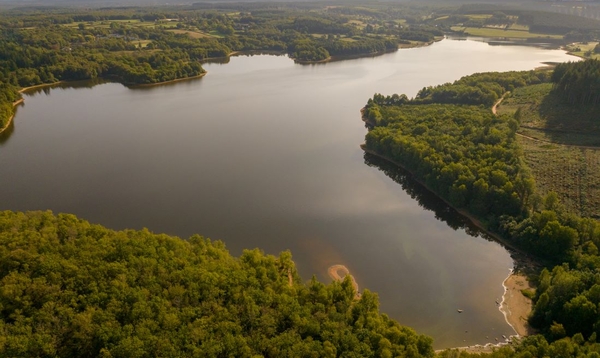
{"x": 542, "y": 110}
{"x": 191, "y": 33}
{"x": 106, "y": 24}
{"x": 142, "y": 43}
{"x": 518, "y": 27}
{"x": 561, "y": 146}
{"x": 479, "y": 16}
{"x": 215, "y": 33}
{"x": 583, "y": 50}
{"x": 572, "y": 172}
{"x": 500, "y": 33}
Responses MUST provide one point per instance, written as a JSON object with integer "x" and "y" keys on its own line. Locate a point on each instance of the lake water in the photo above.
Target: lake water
{"x": 262, "y": 152}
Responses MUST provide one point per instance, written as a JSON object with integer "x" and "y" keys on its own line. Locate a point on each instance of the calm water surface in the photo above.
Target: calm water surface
{"x": 265, "y": 153}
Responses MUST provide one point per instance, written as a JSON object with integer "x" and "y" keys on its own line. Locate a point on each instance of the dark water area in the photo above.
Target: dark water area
{"x": 424, "y": 197}
{"x": 262, "y": 152}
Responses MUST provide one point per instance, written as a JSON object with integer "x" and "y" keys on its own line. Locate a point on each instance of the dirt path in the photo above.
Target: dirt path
{"x": 495, "y": 106}
{"x": 334, "y": 273}
{"x": 560, "y": 144}
{"x": 495, "y": 112}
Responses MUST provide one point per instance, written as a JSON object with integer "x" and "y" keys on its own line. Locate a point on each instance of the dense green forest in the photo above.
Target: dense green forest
{"x": 450, "y": 140}
{"x": 72, "y": 289}
{"x": 578, "y": 83}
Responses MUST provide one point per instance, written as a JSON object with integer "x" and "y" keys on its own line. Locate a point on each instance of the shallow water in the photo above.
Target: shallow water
{"x": 262, "y": 152}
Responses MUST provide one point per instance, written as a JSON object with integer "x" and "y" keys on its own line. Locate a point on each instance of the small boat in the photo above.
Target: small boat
{"x": 459, "y": 311}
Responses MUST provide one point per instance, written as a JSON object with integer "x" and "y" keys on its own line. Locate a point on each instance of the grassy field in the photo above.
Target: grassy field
{"x": 142, "y": 43}
{"x": 561, "y": 146}
{"x": 501, "y": 33}
{"x": 572, "y": 172}
{"x": 528, "y": 100}
{"x": 479, "y": 16}
{"x": 358, "y": 24}
{"x": 191, "y": 33}
{"x": 541, "y": 109}
{"x": 215, "y": 33}
{"x": 518, "y": 27}
{"x": 126, "y": 23}
{"x": 583, "y": 50}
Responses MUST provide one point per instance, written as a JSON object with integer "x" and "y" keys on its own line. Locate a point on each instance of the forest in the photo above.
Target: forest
{"x": 72, "y": 289}
{"x": 450, "y": 140}
{"x": 578, "y": 83}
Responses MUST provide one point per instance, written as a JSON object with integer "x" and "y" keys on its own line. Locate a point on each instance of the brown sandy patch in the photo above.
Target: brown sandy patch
{"x": 334, "y": 273}
{"x": 515, "y": 306}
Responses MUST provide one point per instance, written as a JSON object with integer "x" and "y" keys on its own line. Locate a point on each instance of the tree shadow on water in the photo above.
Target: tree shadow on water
{"x": 423, "y": 196}
{"x": 7, "y": 133}
{"x": 444, "y": 212}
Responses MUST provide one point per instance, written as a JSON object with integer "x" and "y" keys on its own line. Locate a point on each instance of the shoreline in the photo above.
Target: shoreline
{"x": 331, "y": 58}
{"x": 10, "y": 119}
{"x": 25, "y": 89}
{"x": 470, "y": 217}
{"x": 22, "y": 100}
{"x": 43, "y": 85}
{"x": 528, "y": 260}
{"x": 128, "y": 85}
{"x": 515, "y": 306}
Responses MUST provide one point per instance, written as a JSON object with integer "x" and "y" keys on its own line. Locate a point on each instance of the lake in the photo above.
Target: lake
{"x": 262, "y": 152}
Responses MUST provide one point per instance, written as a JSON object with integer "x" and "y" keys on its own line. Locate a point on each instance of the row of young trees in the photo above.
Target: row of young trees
{"x": 72, "y": 289}
{"x": 470, "y": 157}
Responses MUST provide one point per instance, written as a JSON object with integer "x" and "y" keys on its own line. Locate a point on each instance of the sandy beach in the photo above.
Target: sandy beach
{"x": 515, "y": 306}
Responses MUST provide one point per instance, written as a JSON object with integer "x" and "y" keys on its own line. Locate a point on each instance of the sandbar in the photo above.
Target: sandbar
{"x": 334, "y": 273}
